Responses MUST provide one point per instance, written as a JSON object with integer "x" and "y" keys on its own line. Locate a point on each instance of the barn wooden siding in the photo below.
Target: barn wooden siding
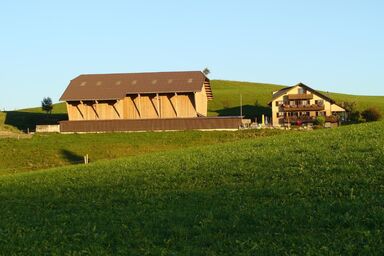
{"x": 163, "y": 124}
{"x": 139, "y": 106}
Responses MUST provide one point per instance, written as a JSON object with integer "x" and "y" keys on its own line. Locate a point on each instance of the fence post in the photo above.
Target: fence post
{"x": 86, "y": 161}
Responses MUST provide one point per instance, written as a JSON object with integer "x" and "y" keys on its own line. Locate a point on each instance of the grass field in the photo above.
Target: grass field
{"x": 312, "y": 193}
{"x": 52, "y": 150}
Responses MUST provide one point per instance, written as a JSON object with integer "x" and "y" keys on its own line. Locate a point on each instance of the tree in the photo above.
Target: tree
{"x": 352, "y": 114}
{"x": 206, "y": 71}
{"x": 46, "y": 105}
{"x": 371, "y": 114}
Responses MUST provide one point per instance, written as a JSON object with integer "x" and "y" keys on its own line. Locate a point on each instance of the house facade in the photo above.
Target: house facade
{"x": 301, "y": 104}
{"x": 137, "y": 96}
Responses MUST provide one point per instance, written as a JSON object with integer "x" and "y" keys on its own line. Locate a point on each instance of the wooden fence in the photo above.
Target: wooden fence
{"x": 158, "y": 124}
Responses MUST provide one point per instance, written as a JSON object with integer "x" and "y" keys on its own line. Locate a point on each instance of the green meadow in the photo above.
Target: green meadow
{"x": 43, "y": 151}
{"x": 303, "y": 193}
{"x": 256, "y": 96}
{"x": 249, "y": 192}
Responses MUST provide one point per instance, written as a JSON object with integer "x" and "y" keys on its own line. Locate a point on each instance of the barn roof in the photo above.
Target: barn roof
{"x": 117, "y": 86}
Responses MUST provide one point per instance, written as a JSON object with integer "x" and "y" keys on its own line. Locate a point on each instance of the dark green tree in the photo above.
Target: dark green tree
{"x": 353, "y": 115}
{"x": 46, "y": 105}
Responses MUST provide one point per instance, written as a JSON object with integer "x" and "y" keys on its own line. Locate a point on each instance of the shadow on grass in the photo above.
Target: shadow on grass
{"x": 249, "y": 111}
{"x": 28, "y": 120}
{"x": 71, "y": 157}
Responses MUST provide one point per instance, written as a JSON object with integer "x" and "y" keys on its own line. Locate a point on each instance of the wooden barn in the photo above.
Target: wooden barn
{"x": 137, "y": 96}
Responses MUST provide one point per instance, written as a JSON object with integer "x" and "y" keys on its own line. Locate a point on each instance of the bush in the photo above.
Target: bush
{"x": 354, "y": 116}
{"x": 320, "y": 120}
{"x": 371, "y": 114}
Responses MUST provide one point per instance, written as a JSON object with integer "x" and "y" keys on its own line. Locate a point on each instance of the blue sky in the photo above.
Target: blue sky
{"x": 329, "y": 45}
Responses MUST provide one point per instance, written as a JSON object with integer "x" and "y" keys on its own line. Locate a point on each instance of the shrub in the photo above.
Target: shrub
{"x": 352, "y": 114}
{"x": 371, "y": 114}
{"x": 320, "y": 120}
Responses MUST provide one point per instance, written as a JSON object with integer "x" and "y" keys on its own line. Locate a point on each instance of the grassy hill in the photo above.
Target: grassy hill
{"x": 255, "y": 98}
{"x": 310, "y": 193}
{"x": 46, "y": 151}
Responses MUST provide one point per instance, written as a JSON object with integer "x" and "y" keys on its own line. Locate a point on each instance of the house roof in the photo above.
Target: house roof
{"x": 117, "y": 86}
{"x": 286, "y": 89}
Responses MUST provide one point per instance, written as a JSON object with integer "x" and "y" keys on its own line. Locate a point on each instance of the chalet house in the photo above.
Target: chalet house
{"x": 140, "y": 101}
{"x": 302, "y": 104}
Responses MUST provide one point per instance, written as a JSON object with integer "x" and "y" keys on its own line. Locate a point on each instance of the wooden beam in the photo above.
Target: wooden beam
{"x": 94, "y": 110}
{"x": 135, "y": 105}
{"x": 114, "y": 107}
{"x": 195, "y": 103}
{"x": 177, "y": 106}
{"x": 172, "y": 104}
{"x": 139, "y": 107}
{"x": 78, "y": 109}
{"x": 158, "y": 105}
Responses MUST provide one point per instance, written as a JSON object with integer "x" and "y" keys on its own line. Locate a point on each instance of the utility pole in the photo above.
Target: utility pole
{"x": 241, "y": 105}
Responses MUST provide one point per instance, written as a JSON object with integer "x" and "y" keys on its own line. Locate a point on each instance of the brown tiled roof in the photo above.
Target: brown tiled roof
{"x": 284, "y": 90}
{"x": 116, "y": 86}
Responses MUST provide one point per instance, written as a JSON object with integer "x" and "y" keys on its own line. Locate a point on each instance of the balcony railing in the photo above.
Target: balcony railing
{"x": 294, "y": 108}
{"x": 301, "y": 96}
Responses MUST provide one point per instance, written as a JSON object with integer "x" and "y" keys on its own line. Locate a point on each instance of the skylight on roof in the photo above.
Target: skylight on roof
{"x": 170, "y": 81}
{"x": 98, "y": 83}
{"x": 154, "y": 81}
{"x": 83, "y": 83}
{"x": 190, "y": 80}
{"x": 134, "y": 82}
{"x": 118, "y": 82}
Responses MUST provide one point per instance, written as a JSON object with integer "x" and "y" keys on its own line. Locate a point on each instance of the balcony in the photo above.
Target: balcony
{"x": 295, "y": 108}
{"x": 302, "y": 96}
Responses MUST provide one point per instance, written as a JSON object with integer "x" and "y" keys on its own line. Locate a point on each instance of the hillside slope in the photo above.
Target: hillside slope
{"x": 255, "y": 98}
{"x": 298, "y": 193}
{"x": 53, "y": 150}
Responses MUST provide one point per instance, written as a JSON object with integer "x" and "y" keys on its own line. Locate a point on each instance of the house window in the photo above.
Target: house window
{"x": 279, "y": 103}
{"x": 292, "y": 103}
{"x": 302, "y": 91}
{"x": 319, "y": 102}
{"x": 279, "y": 114}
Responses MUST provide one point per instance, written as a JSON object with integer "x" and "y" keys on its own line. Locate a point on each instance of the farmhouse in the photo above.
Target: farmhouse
{"x": 141, "y": 101}
{"x": 302, "y": 104}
